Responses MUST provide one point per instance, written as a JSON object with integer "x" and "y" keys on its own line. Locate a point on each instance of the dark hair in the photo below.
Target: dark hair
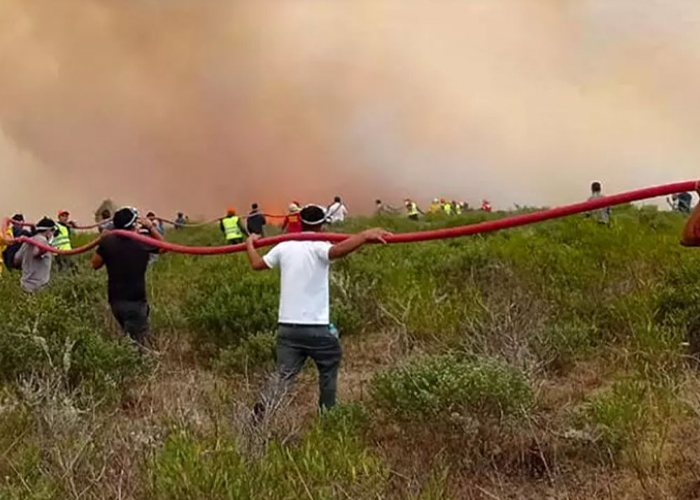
{"x": 337, "y": 199}
{"x": 45, "y": 224}
{"x": 180, "y": 214}
{"x": 254, "y": 206}
{"x": 18, "y": 217}
{"x": 312, "y": 218}
{"x": 595, "y": 187}
{"x": 150, "y": 214}
{"x": 378, "y": 201}
{"x": 106, "y": 214}
{"x": 125, "y": 218}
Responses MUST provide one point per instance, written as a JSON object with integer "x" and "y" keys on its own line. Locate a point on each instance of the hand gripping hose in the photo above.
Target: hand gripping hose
{"x": 437, "y": 234}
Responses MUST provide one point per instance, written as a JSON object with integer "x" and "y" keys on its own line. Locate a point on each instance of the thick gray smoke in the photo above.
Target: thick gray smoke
{"x": 200, "y": 104}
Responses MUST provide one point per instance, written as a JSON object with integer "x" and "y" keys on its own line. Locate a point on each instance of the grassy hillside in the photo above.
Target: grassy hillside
{"x": 543, "y": 362}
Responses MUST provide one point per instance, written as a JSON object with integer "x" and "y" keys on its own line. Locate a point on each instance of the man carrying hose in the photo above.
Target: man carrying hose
{"x": 412, "y": 209}
{"x": 232, "y": 227}
{"x": 127, "y": 260}
{"x": 34, "y": 261}
{"x": 304, "y": 311}
{"x": 601, "y": 215}
{"x": 255, "y": 222}
{"x": 292, "y": 221}
{"x": 64, "y": 230}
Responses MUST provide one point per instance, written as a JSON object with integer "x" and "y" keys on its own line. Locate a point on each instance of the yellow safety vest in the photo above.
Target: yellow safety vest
{"x": 8, "y": 237}
{"x": 233, "y": 232}
{"x": 447, "y": 208}
{"x": 3, "y": 245}
{"x": 412, "y": 209}
{"x": 62, "y": 239}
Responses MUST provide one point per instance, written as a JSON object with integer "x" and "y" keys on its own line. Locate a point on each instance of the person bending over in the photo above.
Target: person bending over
{"x": 304, "y": 309}
{"x": 127, "y": 261}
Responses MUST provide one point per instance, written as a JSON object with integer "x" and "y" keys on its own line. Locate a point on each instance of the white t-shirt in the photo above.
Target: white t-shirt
{"x": 337, "y": 212}
{"x": 304, "y": 291}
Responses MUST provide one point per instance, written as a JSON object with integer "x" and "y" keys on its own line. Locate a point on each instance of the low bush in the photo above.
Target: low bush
{"x": 330, "y": 460}
{"x": 630, "y": 421}
{"x": 255, "y": 353}
{"x": 442, "y": 385}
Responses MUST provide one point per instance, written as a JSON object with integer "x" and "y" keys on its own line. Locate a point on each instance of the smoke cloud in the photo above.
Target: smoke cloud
{"x": 201, "y": 104}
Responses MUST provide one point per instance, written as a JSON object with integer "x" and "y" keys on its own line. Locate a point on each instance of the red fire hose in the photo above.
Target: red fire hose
{"x": 438, "y": 234}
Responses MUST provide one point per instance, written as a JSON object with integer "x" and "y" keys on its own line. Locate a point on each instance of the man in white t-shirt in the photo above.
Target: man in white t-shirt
{"x": 337, "y": 211}
{"x": 304, "y": 316}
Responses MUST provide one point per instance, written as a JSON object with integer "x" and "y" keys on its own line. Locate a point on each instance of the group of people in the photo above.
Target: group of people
{"x": 236, "y": 228}
{"x": 304, "y": 324}
{"x": 304, "y": 328}
{"x": 437, "y": 206}
{"x": 680, "y": 202}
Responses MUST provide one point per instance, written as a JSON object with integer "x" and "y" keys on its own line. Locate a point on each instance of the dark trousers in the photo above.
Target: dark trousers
{"x": 297, "y": 343}
{"x": 132, "y": 318}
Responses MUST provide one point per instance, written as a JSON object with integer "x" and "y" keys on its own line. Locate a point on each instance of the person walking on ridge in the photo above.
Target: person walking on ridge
{"x": 601, "y": 215}
{"x": 304, "y": 309}
{"x": 255, "y": 223}
{"x": 337, "y": 211}
{"x": 127, "y": 261}
{"x": 232, "y": 227}
{"x": 681, "y": 202}
{"x": 157, "y": 223}
{"x": 292, "y": 222}
{"x": 412, "y": 210}
{"x": 381, "y": 208}
{"x": 180, "y": 220}
{"x": 446, "y": 207}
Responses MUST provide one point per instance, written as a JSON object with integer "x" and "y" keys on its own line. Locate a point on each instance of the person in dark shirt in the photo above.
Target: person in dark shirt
{"x": 180, "y": 221}
{"x": 256, "y": 221}
{"x": 126, "y": 261}
{"x": 18, "y": 230}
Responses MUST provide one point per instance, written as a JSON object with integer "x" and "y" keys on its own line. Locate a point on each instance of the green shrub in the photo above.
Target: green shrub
{"x": 228, "y": 303}
{"x": 440, "y": 385}
{"x": 329, "y": 461}
{"x": 620, "y": 414}
{"x": 631, "y": 419}
{"x": 564, "y": 342}
{"x": 255, "y": 353}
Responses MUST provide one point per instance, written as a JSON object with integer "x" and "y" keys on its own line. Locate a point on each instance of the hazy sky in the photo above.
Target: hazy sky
{"x": 200, "y": 104}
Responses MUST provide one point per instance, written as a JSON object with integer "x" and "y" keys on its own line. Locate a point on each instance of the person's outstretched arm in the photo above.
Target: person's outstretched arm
{"x": 690, "y": 237}
{"x": 256, "y": 262}
{"x": 339, "y": 250}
